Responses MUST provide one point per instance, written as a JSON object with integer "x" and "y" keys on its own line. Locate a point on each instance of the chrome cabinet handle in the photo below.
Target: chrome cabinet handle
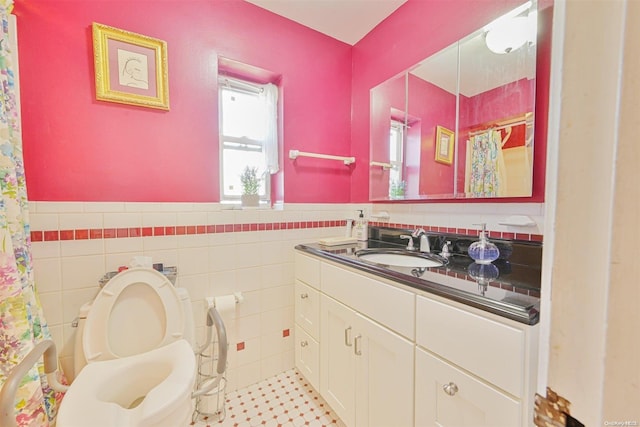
{"x": 304, "y": 343}
{"x": 356, "y": 347}
{"x": 347, "y": 337}
{"x": 451, "y": 389}
{"x": 304, "y": 296}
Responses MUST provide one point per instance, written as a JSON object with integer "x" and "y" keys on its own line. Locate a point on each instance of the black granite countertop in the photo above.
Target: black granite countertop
{"x": 509, "y": 287}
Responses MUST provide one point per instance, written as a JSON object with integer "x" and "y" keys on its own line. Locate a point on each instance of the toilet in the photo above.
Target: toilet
{"x": 134, "y": 359}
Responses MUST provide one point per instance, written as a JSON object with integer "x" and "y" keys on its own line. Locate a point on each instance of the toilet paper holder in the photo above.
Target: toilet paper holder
{"x": 211, "y": 385}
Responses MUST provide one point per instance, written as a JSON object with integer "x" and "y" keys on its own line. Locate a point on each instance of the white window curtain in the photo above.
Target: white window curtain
{"x": 270, "y": 94}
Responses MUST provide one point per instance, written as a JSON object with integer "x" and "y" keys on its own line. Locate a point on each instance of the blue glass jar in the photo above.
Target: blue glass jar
{"x": 483, "y": 251}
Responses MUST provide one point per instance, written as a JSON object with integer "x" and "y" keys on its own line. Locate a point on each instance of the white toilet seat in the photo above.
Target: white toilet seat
{"x": 151, "y": 390}
{"x": 137, "y": 311}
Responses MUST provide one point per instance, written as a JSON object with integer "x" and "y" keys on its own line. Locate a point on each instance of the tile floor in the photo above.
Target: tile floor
{"x": 286, "y": 400}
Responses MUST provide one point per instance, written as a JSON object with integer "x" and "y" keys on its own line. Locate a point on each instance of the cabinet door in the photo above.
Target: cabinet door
{"x": 450, "y": 332}
{"x": 337, "y": 378}
{"x": 448, "y": 397}
{"x": 384, "y": 376}
{"x": 307, "y": 352}
{"x": 307, "y": 307}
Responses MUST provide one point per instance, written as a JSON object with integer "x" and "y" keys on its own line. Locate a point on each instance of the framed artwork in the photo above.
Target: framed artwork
{"x": 444, "y": 145}
{"x": 130, "y": 68}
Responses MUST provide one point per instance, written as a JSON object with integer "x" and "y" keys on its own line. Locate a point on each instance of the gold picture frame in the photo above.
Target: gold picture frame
{"x": 444, "y": 145}
{"x": 130, "y": 68}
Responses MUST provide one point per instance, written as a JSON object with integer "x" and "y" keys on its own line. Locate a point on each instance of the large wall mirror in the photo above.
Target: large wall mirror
{"x": 460, "y": 123}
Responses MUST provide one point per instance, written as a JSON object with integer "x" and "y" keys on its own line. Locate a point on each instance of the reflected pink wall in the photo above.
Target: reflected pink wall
{"x": 387, "y": 102}
{"x": 435, "y": 107}
{"x": 508, "y": 101}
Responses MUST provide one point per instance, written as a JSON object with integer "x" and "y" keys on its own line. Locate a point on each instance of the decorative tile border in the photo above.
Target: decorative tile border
{"x": 180, "y": 230}
{"x": 463, "y": 231}
{"x": 494, "y": 284}
{"x": 175, "y": 230}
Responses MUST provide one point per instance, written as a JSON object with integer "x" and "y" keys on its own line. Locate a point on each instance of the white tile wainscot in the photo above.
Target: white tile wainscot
{"x": 389, "y": 354}
{"x": 217, "y": 252}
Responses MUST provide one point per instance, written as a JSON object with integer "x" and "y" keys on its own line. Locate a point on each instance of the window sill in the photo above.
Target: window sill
{"x": 236, "y": 206}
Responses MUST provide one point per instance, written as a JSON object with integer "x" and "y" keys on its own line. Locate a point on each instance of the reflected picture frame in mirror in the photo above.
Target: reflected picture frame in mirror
{"x": 444, "y": 145}
{"x": 463, "y": 92}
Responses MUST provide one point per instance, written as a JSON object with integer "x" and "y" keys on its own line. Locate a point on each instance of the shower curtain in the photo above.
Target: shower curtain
{"x": 22, "y": 324}
{"x": 485, "y": 165}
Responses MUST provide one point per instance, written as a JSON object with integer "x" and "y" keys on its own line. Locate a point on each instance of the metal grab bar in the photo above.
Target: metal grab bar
{"x": 214, "y": 318}
{"x": 10, "y": 387}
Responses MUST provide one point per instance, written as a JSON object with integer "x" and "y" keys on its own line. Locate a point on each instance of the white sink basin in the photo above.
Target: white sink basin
{"x": 399, "y": 258}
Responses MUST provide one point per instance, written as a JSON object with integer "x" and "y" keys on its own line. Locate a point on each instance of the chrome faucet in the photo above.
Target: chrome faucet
{"x": 410, "y": 243}
{"x": 424, "y": 239}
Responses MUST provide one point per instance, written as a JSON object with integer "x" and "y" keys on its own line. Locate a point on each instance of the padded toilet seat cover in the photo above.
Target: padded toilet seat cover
{"x": 137, "y": 311}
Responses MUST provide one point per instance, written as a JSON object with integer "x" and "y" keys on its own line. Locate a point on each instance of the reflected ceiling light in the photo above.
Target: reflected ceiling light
{"x": 511, "y": 31}
{"x": 508, "y": 36}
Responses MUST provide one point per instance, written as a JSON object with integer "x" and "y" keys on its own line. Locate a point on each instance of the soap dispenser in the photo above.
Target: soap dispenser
{"x": 483, "y": 251}
{"x": 361, "y": 228}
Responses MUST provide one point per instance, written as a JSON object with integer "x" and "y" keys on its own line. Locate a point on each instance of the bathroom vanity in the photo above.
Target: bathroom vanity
{"x": 387, "y": 347}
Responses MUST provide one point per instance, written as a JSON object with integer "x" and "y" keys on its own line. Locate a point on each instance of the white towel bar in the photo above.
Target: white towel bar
{"x": 294, "y": 154}
{"x": 384, "y": 165}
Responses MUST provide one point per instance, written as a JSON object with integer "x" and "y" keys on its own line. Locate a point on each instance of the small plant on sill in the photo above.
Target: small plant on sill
{"x": 250, "y": 186}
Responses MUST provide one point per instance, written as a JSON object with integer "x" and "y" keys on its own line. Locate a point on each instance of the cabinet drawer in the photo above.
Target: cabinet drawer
{"x": 388, "y": 305}
{"x": 307, "y": 270}
{"x": 307, "y": 308}
{"x": 448, "y": 397}
{"x": 491, "y": 350}
{"x": 307, "y": 353}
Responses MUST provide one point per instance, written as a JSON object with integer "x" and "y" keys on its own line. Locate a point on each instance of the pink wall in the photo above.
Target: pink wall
{"x": 79, "y": 149}
{"x": 416, "y": 30}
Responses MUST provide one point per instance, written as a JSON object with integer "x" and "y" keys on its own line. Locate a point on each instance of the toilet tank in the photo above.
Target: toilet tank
{"x": 79, "y": 361}
{"x": 189, "y": 324}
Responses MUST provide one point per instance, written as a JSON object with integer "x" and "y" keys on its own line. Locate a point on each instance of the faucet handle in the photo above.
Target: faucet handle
{"x": 418, "y": 232}
{"x": 410, "y": 243}
{"x": 446, "y": 251}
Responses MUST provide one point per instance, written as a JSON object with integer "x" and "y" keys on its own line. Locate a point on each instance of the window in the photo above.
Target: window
{"x": 248, "y": 124}
{"x": 396, "y": 143}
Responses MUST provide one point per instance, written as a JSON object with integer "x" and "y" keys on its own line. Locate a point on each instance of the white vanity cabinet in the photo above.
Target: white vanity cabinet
{"x": 472, "y": 369}
{"x": 366, "y": 369}
{"x": 307, "y": 318}
{"x": 367, "y": 331}
{"x": 447, "y": 396}
{"x": 382, "y": 354}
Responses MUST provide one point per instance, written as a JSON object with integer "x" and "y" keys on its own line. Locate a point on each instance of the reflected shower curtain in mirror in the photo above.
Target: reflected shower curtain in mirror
{"x": 485, "y": 170}
{"x": 21, "y": 320}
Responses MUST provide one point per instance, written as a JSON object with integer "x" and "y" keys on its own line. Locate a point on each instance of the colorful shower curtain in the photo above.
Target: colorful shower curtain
{"x": 22, "y": 324}
{"x": 485, "y": 165}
